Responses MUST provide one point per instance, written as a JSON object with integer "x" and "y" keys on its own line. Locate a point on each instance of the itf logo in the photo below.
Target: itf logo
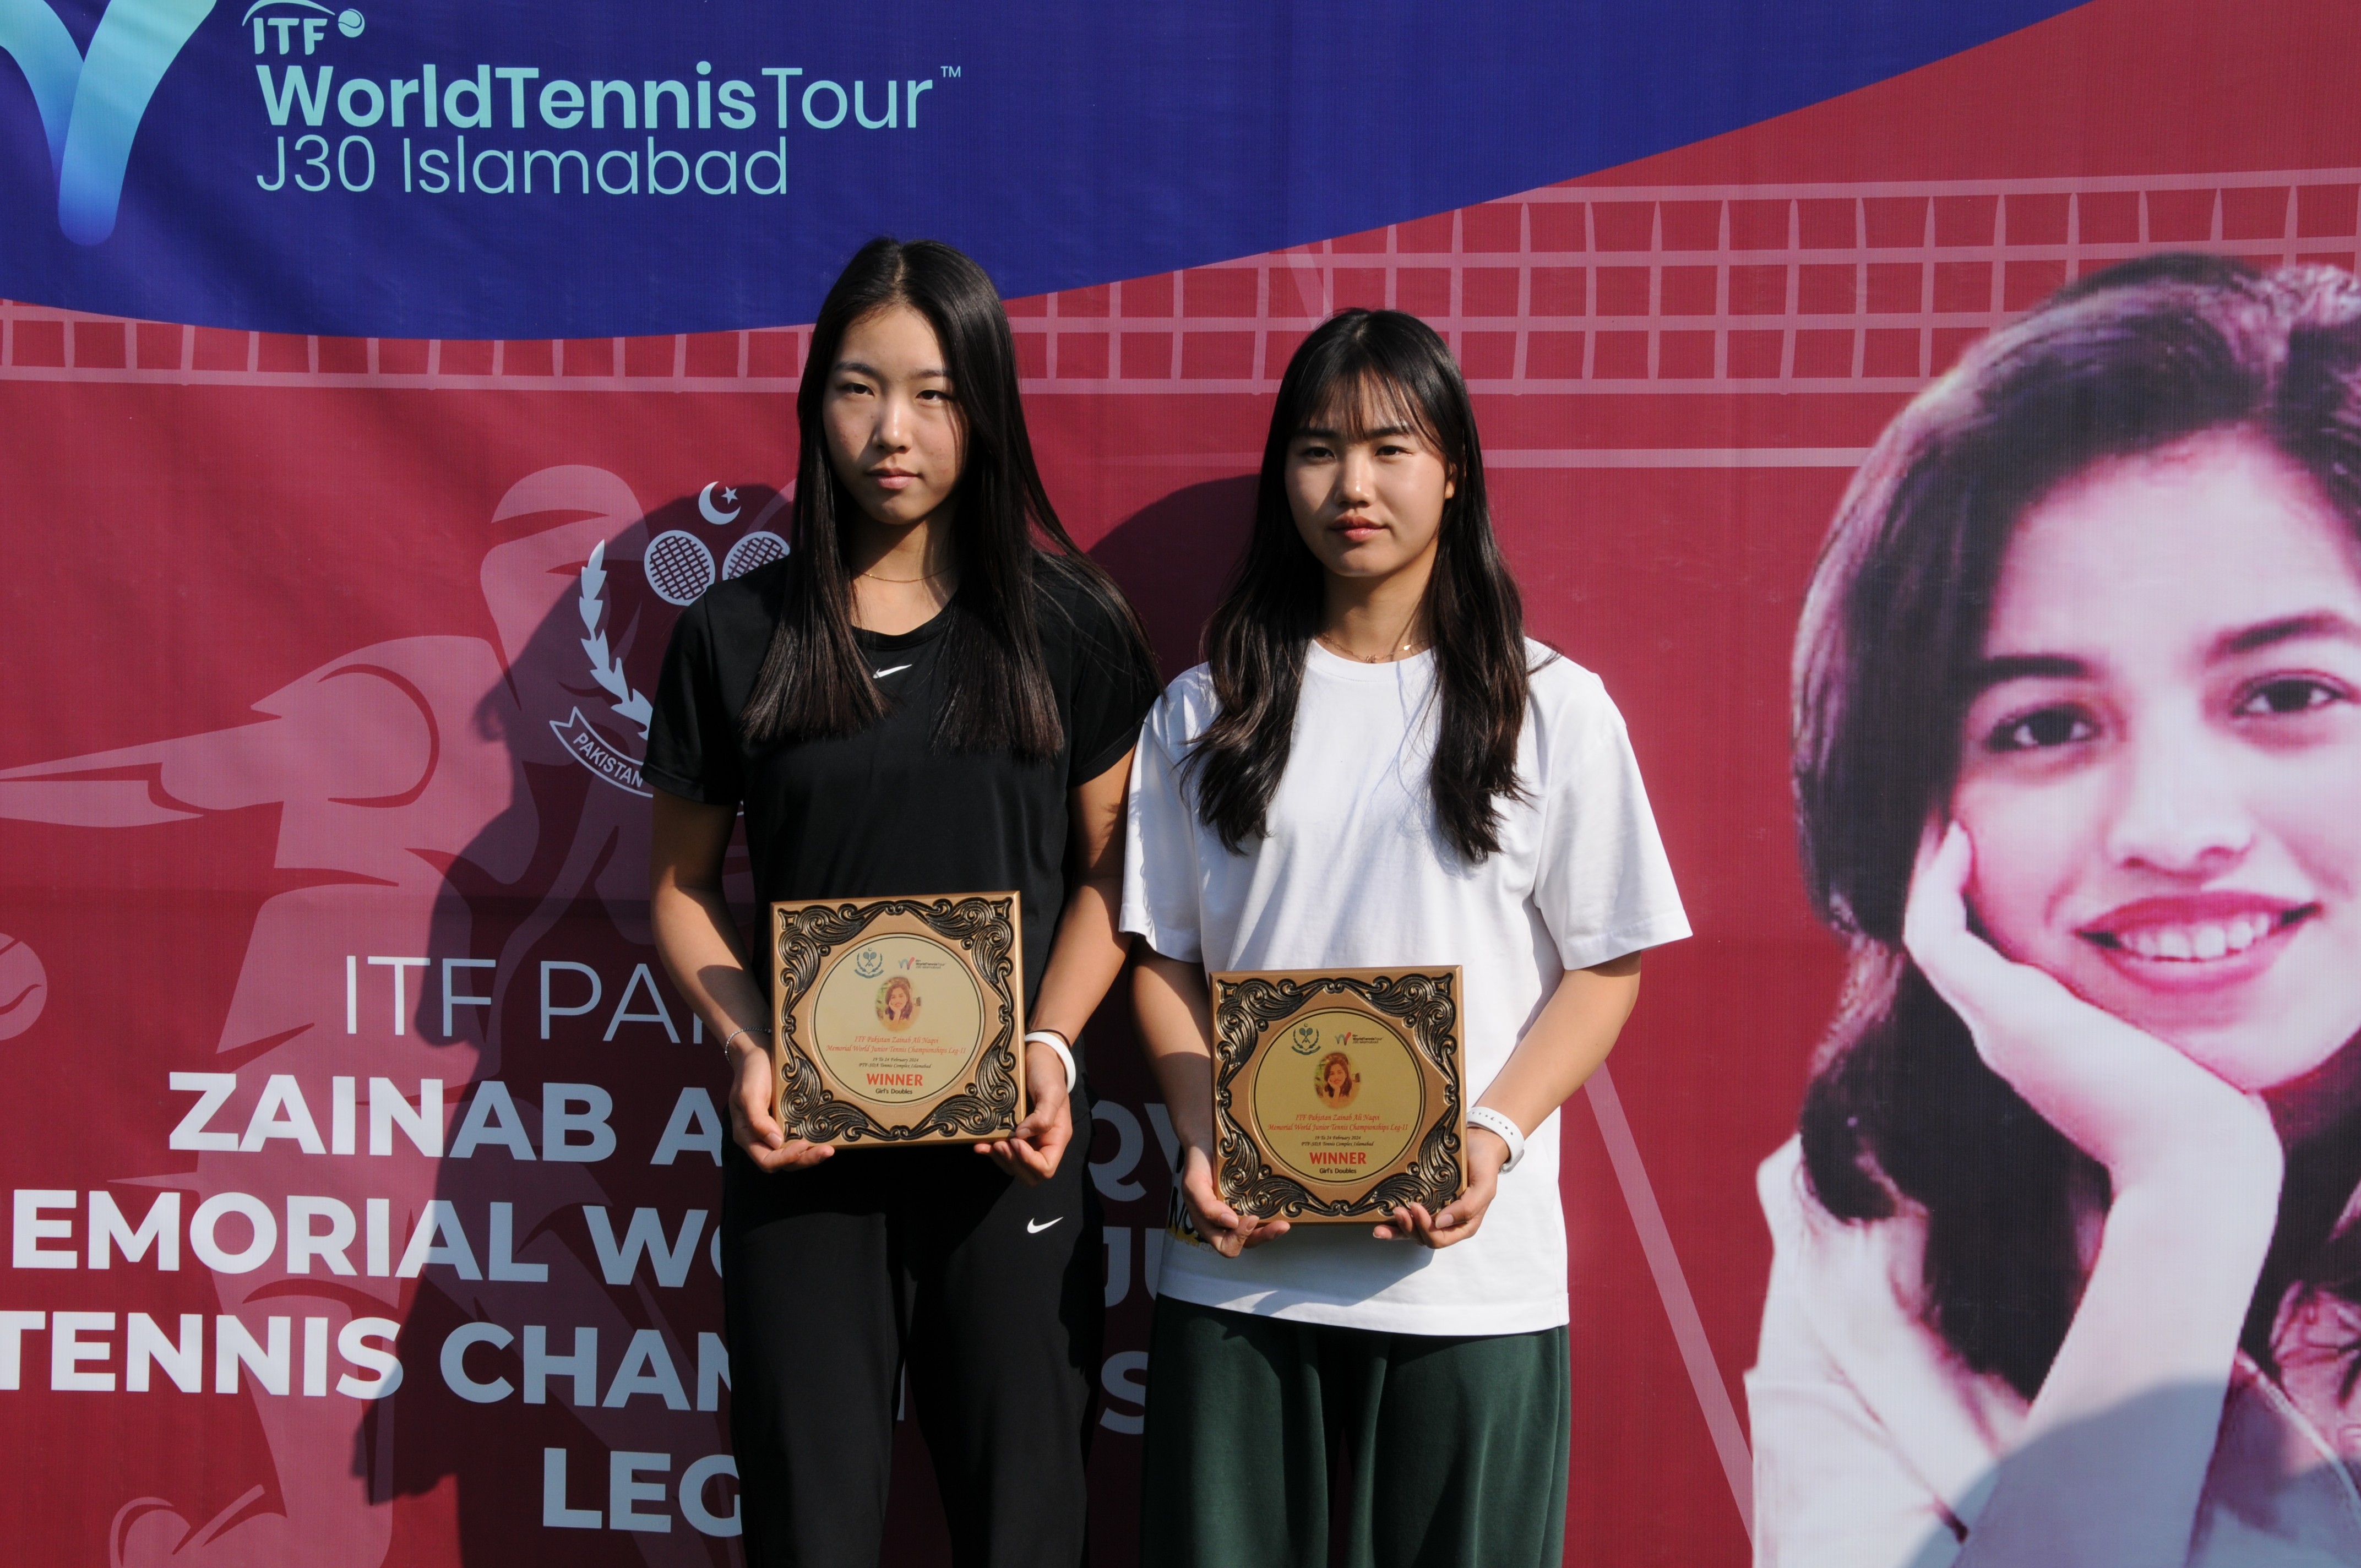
{"x": 91, "y": 104}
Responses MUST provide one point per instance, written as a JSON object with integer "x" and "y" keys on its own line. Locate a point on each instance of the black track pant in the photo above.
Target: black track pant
{"x": 990, "y": 1292}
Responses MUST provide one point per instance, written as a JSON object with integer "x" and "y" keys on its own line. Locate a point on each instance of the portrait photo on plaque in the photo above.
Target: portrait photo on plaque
{"x": 898, "y": 1020}
{"x": 1337, "y": 1094}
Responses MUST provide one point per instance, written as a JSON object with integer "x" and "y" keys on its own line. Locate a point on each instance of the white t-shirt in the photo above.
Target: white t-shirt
{"x": 1356, "y": 874}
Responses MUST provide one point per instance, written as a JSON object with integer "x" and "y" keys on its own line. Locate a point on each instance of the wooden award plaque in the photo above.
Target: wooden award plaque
{"x": 898, "y": 1020}
{"x": 1337, "y": 1095}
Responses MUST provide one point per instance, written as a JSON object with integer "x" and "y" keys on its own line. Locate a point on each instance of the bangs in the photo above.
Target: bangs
{"x": 1360, "y": 400}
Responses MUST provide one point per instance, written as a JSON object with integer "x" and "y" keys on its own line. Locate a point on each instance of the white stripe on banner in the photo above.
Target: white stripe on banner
{"x": 1679, "y": 457}
{"x": 1561, "y": 457}
{"x": 1673, "y": 1287}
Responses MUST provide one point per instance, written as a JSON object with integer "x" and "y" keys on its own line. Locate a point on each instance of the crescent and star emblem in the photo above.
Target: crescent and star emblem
{"x": 714, "y": 514}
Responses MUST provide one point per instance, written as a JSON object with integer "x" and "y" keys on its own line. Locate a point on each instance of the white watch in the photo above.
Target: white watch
{"x": 1057, "y": 1042}
{"x": 1502, "y": 1124}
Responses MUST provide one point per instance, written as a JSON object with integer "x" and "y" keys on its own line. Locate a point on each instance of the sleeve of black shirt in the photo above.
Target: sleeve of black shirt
{"x": 1114, "y": 685}
{"x": 693, "y": 739}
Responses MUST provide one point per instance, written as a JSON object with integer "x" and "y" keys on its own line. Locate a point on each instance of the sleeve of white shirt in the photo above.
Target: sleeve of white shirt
{"x": 1603, "y": 887}
{"x": 1160, "y": 888}
{"x": 1832, "y": 1489}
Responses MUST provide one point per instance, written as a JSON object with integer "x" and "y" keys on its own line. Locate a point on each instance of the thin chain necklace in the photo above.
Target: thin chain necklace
{"x": 1409, "y": 645}
{"x": 930, "y": 577}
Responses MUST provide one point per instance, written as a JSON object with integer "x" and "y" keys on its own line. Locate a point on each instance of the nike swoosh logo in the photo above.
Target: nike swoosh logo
{"x": 881, "y": 675}
{"x": 1031, "y": 1229}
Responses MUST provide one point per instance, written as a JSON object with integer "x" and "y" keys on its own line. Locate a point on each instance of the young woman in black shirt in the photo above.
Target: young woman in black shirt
{"x": 935, "y": 691}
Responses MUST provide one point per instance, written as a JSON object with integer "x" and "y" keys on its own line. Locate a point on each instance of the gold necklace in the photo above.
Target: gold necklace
{"x": 929, "y": 577}
{"x": 1386, "y": 658}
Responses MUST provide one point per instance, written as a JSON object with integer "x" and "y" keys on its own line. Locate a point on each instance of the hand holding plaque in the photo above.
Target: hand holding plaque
{"x": 1337, "y": 1094}
{"x": 898, "y": 1020}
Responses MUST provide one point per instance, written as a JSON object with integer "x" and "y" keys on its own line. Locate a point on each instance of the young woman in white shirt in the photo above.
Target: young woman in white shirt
{"x": 1376, "y": 767}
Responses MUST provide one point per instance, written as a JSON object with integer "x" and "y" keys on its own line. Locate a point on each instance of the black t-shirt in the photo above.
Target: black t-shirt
{"x": 885, "y": 812}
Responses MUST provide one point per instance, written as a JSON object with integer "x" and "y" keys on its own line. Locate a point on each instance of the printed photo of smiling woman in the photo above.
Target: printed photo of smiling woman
{"x": 2068, "y": 1251}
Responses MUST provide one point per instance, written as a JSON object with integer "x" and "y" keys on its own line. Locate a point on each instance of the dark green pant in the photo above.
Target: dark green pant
{"x": 1427, "y": 1451}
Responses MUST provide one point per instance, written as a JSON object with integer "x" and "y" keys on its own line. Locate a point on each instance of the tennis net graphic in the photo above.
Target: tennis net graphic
{"x": 1579, "y": 289}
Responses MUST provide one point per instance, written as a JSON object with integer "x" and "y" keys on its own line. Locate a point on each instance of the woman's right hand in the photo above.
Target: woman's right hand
{"x": 752, "y": 1125}
{"x": 1230, "y": 1232}
{"x": 2128, "y": 1099}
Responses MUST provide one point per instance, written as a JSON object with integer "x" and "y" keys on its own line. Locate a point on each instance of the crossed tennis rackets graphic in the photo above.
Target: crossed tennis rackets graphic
{"x": 680, "y": 565}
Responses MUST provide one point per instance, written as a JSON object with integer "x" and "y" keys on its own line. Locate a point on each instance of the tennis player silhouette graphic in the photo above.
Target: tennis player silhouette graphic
{"x": 432, "y": 809}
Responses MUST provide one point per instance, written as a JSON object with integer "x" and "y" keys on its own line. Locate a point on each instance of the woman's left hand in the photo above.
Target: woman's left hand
{"x": 2130, "y": 1100}
{"x": 1464, "y": 1215}
{"x": 1031, "y": 1152}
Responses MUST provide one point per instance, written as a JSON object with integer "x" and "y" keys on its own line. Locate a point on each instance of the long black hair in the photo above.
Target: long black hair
{"x": 1367, "y": 370}
{"x": 814, "y": 680}
{"x": 1901, "y": 1107}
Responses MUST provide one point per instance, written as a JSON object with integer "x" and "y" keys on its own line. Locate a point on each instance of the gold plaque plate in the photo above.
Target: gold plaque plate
{"x": 897, "y": 1020}
{"x": 1336, "y": 1094}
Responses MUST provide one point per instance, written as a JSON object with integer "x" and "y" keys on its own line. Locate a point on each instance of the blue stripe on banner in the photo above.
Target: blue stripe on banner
{"x": 428, "y": 168}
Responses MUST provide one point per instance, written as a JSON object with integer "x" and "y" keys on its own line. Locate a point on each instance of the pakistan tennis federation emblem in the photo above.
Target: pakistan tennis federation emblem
{"x": 869, "y": 963}
{"x": 679, "y": 566}
{"x": 1307, "y": 1038}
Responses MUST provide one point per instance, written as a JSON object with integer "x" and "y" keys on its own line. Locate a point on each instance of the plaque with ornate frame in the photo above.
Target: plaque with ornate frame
{"x": 1337, "y": 1094}
{"x": 898, "y": 1020}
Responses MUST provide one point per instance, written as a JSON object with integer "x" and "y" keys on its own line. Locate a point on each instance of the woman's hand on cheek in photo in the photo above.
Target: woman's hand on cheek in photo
{"x": 2125, "y": 1098}
{"x": 756, "y": 1131}
{"x": 1229, "y": 1232}
{"x": 1464, "y": 1215}
{"x": 1031, "y": 1152}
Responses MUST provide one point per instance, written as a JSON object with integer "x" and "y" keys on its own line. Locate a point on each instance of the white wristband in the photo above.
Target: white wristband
{"x": 1057, "y": 1043}
{"x": 1502, "y": 1124}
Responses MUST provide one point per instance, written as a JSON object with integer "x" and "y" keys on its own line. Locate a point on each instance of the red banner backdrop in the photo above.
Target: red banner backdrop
{"x": 334, "y": 1039}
